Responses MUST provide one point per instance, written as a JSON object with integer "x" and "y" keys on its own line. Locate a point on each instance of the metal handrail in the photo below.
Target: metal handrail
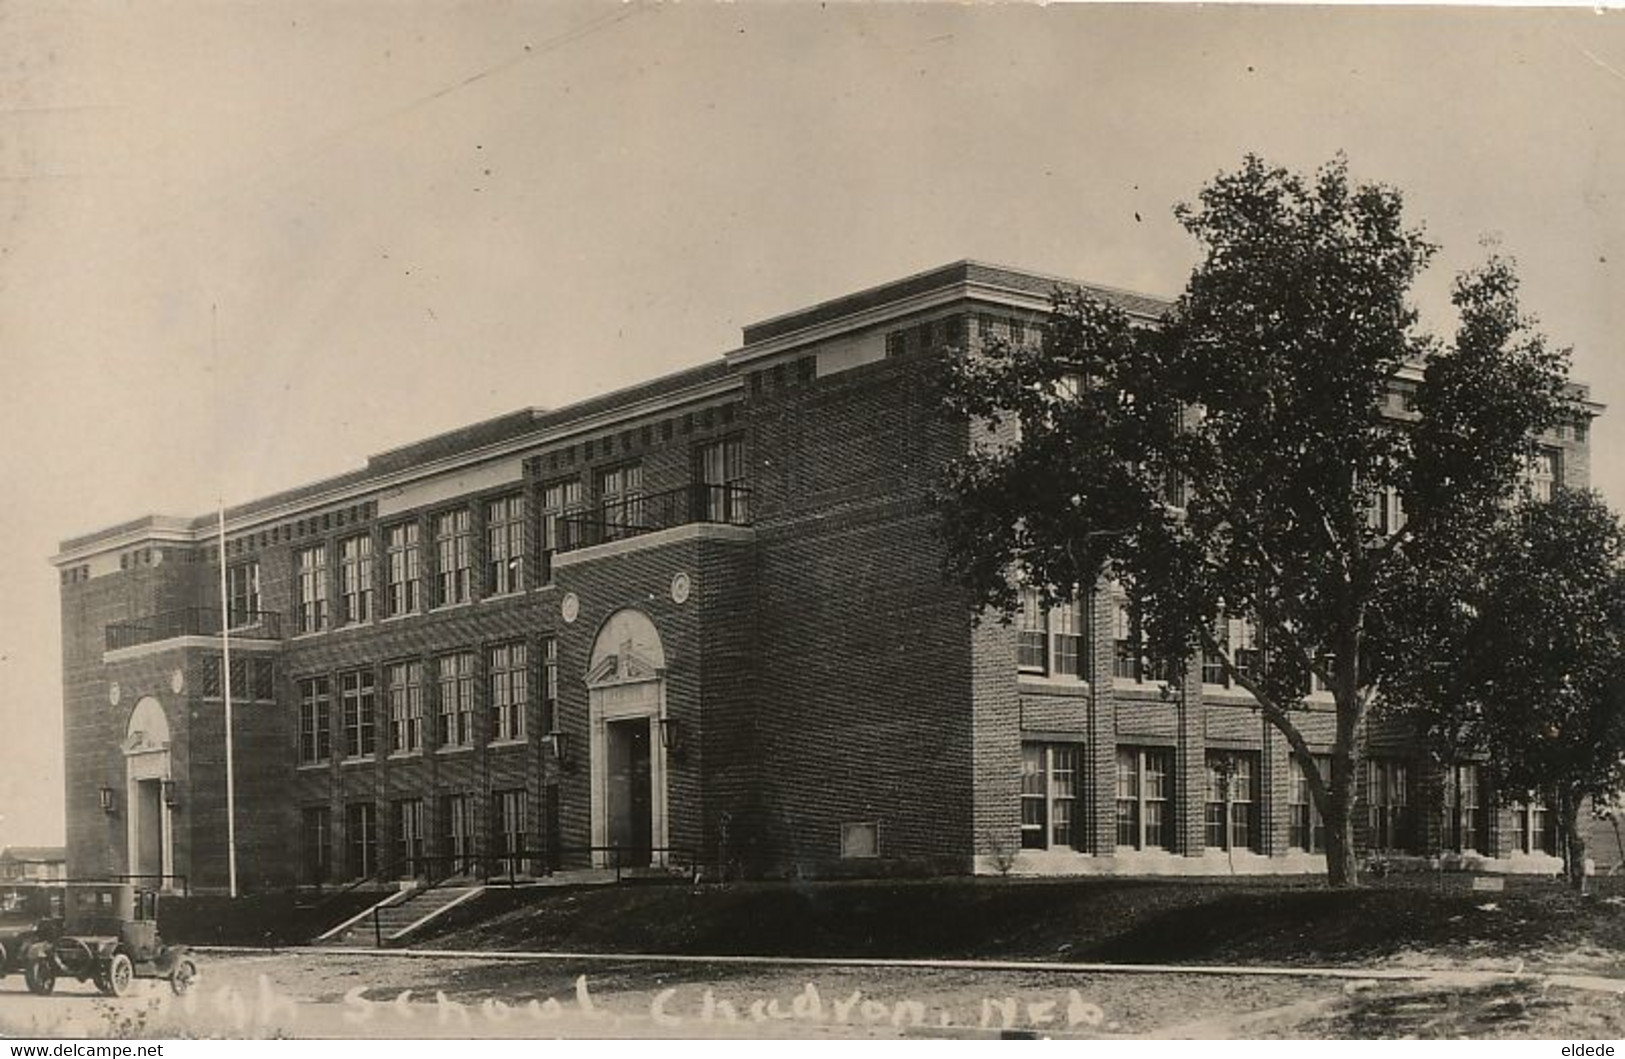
{"x": 194, "y": 621}
{"x": 633, "y": 516}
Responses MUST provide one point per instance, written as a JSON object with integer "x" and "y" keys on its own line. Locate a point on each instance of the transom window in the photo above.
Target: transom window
{"x": 453, "y": 564}
{"x": 355, "y": 579}
{"x": 404, "y": 681}
{"x": 505, "y": 545}
{"x": 1145, "y": 798}
{"x": 1049, "y": 796}
{"x": 1232, "y": 800}
{"x": 457, "y": 699}
{"x": 401, "y": 588}
{"x": 510, "y": 691}
{"x": 310, "y": 589}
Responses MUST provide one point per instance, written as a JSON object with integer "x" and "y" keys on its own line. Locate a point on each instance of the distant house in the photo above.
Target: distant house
{"x": 33, "y": 863}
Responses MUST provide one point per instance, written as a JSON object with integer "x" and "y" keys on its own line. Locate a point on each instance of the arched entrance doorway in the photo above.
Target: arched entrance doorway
{"x": 149, "y": 835}
{"x": 626, "y": 694}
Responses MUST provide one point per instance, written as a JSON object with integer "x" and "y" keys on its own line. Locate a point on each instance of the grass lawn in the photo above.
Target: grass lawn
{"x": 1197, "y": 921}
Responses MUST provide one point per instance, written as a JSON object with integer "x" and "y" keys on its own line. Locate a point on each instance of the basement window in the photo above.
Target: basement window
{"x": 860, "y": 840}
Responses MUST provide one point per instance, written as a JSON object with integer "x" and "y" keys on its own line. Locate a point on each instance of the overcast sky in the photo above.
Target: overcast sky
{"x": 411, "y": 216}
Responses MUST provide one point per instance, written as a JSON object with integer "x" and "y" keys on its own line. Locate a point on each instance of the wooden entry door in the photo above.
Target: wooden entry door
{"x": 630, "y": 792}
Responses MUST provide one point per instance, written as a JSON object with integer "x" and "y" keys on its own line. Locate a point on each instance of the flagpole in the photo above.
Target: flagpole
{"x": 225, "y": 648}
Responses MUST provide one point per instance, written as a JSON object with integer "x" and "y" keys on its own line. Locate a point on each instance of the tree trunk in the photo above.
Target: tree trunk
{"x": 1342, "y": 869}
{"x": 1574, "y": 847}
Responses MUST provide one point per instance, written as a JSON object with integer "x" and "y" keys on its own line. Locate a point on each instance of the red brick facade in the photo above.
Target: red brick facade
{"x": 825, "y": 701}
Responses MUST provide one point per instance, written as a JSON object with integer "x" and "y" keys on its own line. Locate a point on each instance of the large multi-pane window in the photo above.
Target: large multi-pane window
{"x": 404, "y": 683}
{"x": 1130, "y": 658}
{"x": 310, "y": 589}
{"x": 457, "y": 830}
{"x": 1049, "y": 641}
{"x": 361, "y": 839}
{"x": 456, "y": 674}
{"x": 315, "y": 831}
{"x": 1387, "y": 799}
{"x": 1049, "y": 796}
{"x": 508, "y": 828}
{"x": 409, "y": 851}
{"x": 1306, "y": 830}
{"x": 355, "y": 580}
{"x": 720, "y": 470}
{"x": 315, "y": 721}
{"x": 253, "y": 678}
{"x": 1471, "y": 831}
{"x": 356, "y": 701}
{"x": 560, "y": 501}
{"x": 550, "y": 685}
{"x": 620, "y": 500}
{"x": 403, "y": 572}
{"x": 510, "y": 691}
{"x": 243, "y": 594}
{"x": 1535, "y": 834}
{"x": 453, "y": 562}
{"x": 1145, "y": 798}
{"x": 505, "y": 545}
{"x": 1232, "y": 801}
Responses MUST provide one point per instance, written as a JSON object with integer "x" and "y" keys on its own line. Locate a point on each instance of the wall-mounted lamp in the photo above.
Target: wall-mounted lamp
{"x": 106, "y": 794}
{"x": 670, "y": 734}
{"x": 557, "y": 744}
{"x": 171, "y": 798}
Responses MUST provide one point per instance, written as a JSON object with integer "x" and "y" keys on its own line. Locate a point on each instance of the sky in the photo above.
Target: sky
{"x": 242, "y": 246}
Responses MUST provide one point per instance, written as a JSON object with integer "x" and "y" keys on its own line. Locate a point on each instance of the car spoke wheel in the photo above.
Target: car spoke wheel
{"x": 120, "y": 973}
{"x": 184, "y": 977}
{"x": 40, "y": 976}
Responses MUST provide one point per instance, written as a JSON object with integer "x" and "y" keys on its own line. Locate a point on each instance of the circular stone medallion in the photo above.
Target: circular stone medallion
{"x": 114, "y": 693}
{"x": 177, "y": 681}
{"x": 569, "y": 607}
{"x": 681, "y": 586}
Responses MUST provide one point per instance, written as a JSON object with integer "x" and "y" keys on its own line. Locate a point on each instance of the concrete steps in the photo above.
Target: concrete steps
{"x": 398, "y": 916}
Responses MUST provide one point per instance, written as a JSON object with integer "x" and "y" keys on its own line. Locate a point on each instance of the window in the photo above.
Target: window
{"x": 1387, "y": 798}
{"x": 510, "y": 691}
{"x": 310, "y": 599}
{"x": 1385, "y": 512}
{"x": 720, "y": 470}
{"x": 1144, "y": 798}
{"x": 1129, "y": 658}
{"x": 1471, "y": 830}
{"x": 404, "y": 681}
{"x": 457, "y": 699}
{"x": 452, "y": 562}
{"x": 1535, "y": 834}
{"x": 1032, "y": 638}
{"x": 401, "y": 589}
{"x": 355, "y": 580}
{"x": 1066, "y": 637}
{"x": 1232, "y": 801}
{"x": 356, "y": 700}
{"x": 253, "y": 679}
{"x": 361, "y": 839}
{"x": 457, "y": 830}
{"x": 1049, "y": 796}
{"x": 1544, "y": 473}
{"x": 896, "y": 343}
{"x": 315, "y": 830}
{"x": 409, "y": 850}
{"x": 860, "y": 840}
{"x": 620, "y": 498}
{"x": 243, "y": 595}
{"x": 560, "y": 501}
{"x": 1306, "y": 830}
{"x": 550, "y": 685}
{"x": 505, "y": 545}
{"x": 508, "y": 810}
{"x": 315, "y": 721}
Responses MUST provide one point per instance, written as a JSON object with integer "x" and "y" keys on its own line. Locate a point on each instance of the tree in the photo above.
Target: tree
{"x": 1537, "y": 643}
{"x": 1226, "y": 464}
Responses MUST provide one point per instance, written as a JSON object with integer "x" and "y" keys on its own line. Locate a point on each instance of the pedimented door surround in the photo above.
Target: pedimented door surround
{"x": 626, "y": 681}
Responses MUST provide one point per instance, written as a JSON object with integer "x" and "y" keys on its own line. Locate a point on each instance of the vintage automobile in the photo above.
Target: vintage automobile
{"x": 108, "y": 935}
{"x": 28, "y": 913}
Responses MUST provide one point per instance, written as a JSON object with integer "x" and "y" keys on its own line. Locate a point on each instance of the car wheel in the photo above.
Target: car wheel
{"x": 118, "y": 976}
{"x": 183, "y": 977}
{"x": 40, "y": 976}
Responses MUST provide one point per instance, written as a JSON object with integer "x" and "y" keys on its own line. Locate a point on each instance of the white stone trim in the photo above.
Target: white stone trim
{"x": 180, "y": 643}
{"x": 716, "y": 531}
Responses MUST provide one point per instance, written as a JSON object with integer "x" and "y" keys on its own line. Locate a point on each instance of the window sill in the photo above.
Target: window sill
{"x": 1046, "y": 685}
{"x": 451, "y": 606}
{"x": 498, "y": 744}
{"x": 404, "y": 755}
{"x": 309, "y": 633}
{"x": 312, "y": 766}
{"x": 403, "y": 615}
{"x": 461, "y": 748}
{"x": 499, "y": 597}
{"x": 1151, "y": 688}
{"x": 349, "y": 761}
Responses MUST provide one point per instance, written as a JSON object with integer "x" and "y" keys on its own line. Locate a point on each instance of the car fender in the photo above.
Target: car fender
{"x": 169, "y": 956}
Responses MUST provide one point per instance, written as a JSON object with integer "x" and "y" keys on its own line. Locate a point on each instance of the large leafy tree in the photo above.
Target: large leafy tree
{"x": 1226, "y": 463}
{"x": 1534, "y": 640}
